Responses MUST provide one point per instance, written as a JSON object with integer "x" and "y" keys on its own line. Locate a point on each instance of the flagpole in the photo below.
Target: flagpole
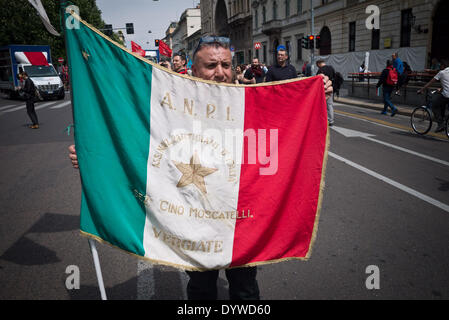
{"x": 93, "y": 249}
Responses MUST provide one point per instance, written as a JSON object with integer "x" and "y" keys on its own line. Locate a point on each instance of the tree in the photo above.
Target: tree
{"x": 20, "y": 23}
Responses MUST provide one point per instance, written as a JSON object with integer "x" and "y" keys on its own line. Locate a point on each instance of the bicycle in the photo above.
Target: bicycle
{"x": 422, "y": 117}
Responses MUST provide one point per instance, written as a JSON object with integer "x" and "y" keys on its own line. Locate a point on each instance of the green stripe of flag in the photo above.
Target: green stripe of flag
{"x": 111, "y": 98}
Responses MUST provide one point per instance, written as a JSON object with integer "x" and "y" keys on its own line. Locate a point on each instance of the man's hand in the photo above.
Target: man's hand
{"x": 73, "y": 157}
{"x": 328, "y": 89}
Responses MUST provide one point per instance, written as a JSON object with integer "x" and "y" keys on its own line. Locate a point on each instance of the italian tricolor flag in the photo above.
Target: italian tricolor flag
{"x": 190, "y": 173}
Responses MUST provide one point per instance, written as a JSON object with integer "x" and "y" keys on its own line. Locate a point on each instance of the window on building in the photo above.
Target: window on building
{"x": 264, "y": 15}
{"x": 299, "y": 6}
{"x": 256, "y": 19}
{"x": 325, "y": 41}
{"x": 375, "y": 39}
{"x": 287, "y": 8}
{"x": 406, "y": 27}
{"x": 299, "y": 48}
{"x": 324, "y": 2}
{"x": 352, "y": 36}
{"x": 275, "y": 10}
{"x": 264, "y": 53}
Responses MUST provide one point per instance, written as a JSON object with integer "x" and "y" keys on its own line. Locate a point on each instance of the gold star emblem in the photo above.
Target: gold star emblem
{"x": 193, "y": 173}
{"x": 85, "y": 55}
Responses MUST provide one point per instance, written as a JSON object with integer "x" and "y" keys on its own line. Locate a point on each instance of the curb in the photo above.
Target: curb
{"x": 363, "y": 104}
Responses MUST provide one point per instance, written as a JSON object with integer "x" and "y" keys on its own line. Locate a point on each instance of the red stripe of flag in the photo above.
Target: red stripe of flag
{"x": 283, "y": 205}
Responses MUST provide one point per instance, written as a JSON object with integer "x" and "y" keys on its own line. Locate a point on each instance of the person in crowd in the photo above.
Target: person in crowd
{"x": 30, "y": 93}
{"x": 441, "y": 99}
{"x": 399, "y": 66}
{"x": 238, "y": 75}
{"x": 435, "y": 65}
{"x": 329, "y": 71}
{"x": 362, "y": 69}
{"x": 387, "y": 81}
{"x": 304, "y": 66}
{"x": 165, "y": 64}
{"x": 179, "y": 63}
{"x": 255, "y": 72}
{"x": 282, "y": 70}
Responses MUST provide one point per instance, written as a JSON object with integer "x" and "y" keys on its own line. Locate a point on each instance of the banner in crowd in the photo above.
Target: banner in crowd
{"x": 191, "y": 173}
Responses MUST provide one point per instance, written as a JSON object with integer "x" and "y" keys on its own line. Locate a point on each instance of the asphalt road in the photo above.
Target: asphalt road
{"x": 386, "y": 204}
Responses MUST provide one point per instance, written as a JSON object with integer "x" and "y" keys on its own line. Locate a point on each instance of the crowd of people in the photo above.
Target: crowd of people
{"x": 257, "y": 72}
{"x": 396, "y": 75}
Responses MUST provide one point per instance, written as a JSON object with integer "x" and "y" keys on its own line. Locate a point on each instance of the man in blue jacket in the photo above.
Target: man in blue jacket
{"x": 399, "y": 66}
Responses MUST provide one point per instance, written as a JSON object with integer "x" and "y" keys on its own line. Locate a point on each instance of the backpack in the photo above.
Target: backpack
{"x": 407, "y": 67}
{"x": 338, "y": 81}
{"x": 392, "y": 78}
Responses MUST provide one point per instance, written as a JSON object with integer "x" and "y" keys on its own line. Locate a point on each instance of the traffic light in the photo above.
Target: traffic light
{"x": 108, "y": 29}
{"x": 317, "y": 42}
{"x": 156, "y": 43}
{"x": 311, "y": 42}
{"x": 305, "y": 42}
{"x": 130, "y": 28}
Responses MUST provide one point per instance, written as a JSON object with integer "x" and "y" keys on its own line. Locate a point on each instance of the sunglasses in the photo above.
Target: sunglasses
{"x": 212, "y": 39}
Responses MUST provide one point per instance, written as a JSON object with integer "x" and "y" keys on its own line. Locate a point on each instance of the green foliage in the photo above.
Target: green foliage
{"x": 21, "y": 24}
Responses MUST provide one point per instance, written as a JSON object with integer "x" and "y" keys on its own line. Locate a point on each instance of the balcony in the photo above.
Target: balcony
{"x": 240, "y": 18}
{"x": 271, "y": 27}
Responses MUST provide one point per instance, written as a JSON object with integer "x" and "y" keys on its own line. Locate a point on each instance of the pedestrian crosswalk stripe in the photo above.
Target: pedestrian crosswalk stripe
{"x": 8, "y": 106}
{"x": 61, "y": 105}
{"x": 41, "y": 106}
{"x": 53, "y": 104}
{"x": 14, "y": 109}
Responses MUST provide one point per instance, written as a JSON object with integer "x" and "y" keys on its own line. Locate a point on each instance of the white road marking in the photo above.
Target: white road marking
{"x": 61, "y": 105}
{"x": 41, "y": 106}
{"x": 393, "y": 183}
{"x": 14, "y": 109}
{"x": 37, "y": 107}
{"x": 8, "y": 106}
{"x": 348, "y": 133}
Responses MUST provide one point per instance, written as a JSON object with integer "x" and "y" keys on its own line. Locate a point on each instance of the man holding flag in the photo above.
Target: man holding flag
{"x": 212, "y": 60}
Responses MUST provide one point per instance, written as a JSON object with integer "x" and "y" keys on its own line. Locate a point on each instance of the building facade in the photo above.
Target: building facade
{"x": 169, "y": 34}
{"x": 233, "y": 19}
{"x": 414, "y": 28}
{"x": 188, "y": 25}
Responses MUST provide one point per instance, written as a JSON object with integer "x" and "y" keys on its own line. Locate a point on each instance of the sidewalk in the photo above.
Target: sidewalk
{"x": 375, "y": 105}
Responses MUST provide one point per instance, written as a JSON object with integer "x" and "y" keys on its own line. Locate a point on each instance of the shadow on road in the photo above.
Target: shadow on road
{"x": 29, "y": 253}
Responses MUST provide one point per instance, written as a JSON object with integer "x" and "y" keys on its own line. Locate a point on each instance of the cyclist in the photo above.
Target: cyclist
{"x": 440, "y": 100}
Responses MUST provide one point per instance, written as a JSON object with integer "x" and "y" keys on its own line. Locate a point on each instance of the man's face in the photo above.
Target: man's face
{"x": 255, "y": 62}
{"x": 282, "y": 56}
{"x": 213, "y": 63}
{"x": 178, "y": 63}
